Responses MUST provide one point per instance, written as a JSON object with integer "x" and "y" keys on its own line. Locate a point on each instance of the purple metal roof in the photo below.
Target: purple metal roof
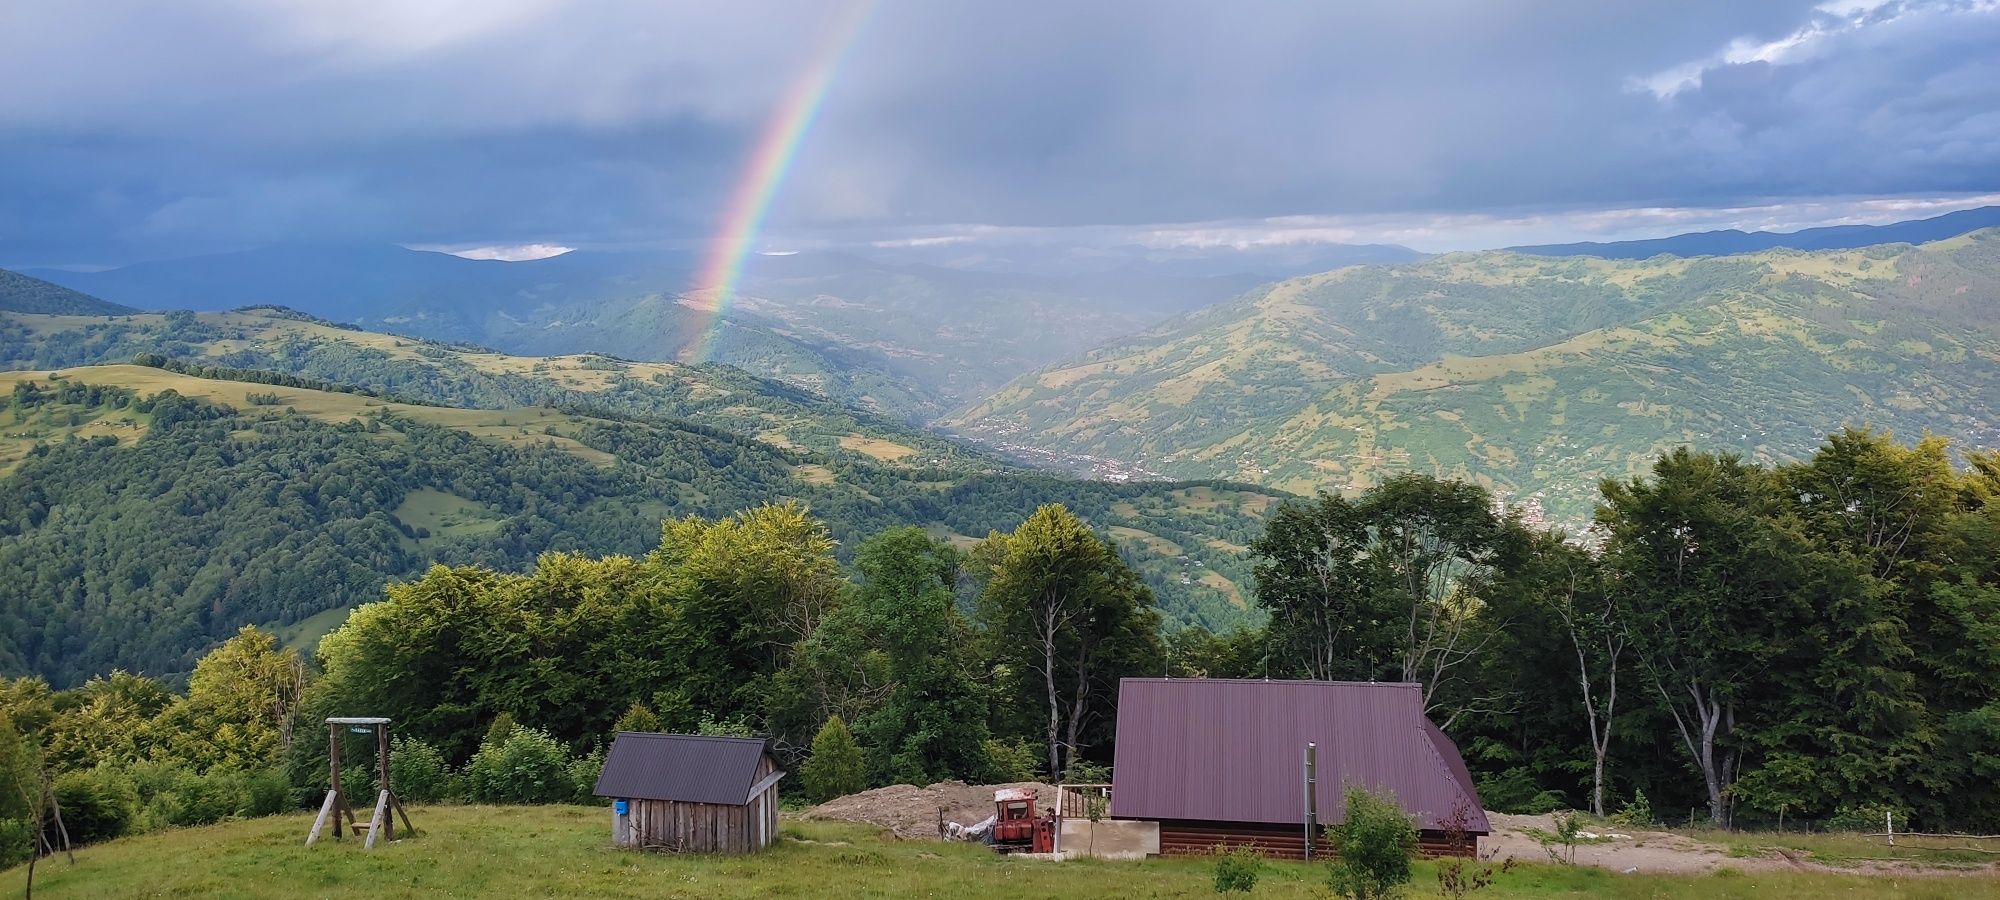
{"x": 1234, "y": 751}
{"x": 687, "y": 768}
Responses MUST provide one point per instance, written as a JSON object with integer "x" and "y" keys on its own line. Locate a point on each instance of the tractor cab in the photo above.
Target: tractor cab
{"x": 1016, "y": 827}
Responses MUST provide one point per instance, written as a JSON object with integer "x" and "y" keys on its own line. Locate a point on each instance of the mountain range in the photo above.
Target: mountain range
{"x": 908, "y": 340}
{"x": 1537, "y": 376}
{"x": 1835, "y": 237}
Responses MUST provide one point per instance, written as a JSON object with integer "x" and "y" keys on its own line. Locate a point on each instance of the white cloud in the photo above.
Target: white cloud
{"x": 1830, "y": 20}
{"x": 501, "y": 252}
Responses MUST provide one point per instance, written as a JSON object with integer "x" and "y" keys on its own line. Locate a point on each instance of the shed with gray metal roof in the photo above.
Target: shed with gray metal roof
{"x": 691, "y": 792}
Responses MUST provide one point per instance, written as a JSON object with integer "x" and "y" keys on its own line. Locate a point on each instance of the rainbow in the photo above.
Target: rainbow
{"x": 776, "y": 148}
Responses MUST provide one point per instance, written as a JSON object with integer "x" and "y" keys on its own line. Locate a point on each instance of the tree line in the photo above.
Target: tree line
{"x": 1817, "y": 640}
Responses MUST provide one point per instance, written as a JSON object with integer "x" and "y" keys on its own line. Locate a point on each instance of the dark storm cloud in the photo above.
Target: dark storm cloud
{"x": 132, "y": 128}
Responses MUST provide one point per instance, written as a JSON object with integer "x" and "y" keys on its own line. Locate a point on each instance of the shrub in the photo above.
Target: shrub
{"x": 1868, "y": 818}
{"x": 528, "y": 766}
{"x": 583, "y": 774}
{"x": 263, "y": 792}
{"x": 1010, "y": 761}
{"x": 1374, "y": 843}
{"x": 1085, "y": 772}
{"x": 419, "y": 773}
{"x": 1636, "y": 813}
{"x": 835, "y": 767}
{"x": 637, "y": 718}
{"x": 192, "y": 800}
{"x": 1236, "y": 870}
{"x": 97, "y": 804}
{"x": 17, "y": 838}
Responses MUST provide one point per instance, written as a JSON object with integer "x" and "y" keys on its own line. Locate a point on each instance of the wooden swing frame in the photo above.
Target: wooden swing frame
{"x": 382, "y": 824}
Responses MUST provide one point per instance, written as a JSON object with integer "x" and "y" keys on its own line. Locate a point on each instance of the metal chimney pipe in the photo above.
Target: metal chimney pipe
{"x": 1312, "y": 796}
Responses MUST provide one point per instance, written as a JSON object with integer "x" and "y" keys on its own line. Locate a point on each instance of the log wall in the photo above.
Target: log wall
{"x": 1195, "y": 838}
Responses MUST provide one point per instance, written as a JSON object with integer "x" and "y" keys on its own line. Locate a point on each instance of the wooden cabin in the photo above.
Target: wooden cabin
{"x": 695, "y": 793}
{"x": 1221, "y": 763}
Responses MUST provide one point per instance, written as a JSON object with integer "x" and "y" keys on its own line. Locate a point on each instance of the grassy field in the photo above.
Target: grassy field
{"x": 564, "y": 852}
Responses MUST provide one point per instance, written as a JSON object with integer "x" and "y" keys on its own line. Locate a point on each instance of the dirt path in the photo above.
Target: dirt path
{"x": 1661, "y": 851}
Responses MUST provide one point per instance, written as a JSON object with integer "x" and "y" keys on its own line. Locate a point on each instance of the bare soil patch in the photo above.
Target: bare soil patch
{"x": 911, "y": 813}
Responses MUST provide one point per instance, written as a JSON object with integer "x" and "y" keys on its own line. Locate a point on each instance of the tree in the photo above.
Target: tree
{"x": 932, "y": 724}
{"x": 1577, "y": 594}
{"x": 835, "y": 768}
{"x": 1434, "y": 542}
{"x": 1329, "y": 617}
{"x": 241, "y": 704}
{"x": 1060, "y": 606}
{"x": 1704, "y": 592}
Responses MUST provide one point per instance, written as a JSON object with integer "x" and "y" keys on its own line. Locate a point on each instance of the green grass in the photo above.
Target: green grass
{"x": 1842, "y": 849}
{"x": 496, "y": 852}
{"x": 305, "y": 633}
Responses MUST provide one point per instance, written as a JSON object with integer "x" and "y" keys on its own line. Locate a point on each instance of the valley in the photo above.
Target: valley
{"x": 330, "y": 493}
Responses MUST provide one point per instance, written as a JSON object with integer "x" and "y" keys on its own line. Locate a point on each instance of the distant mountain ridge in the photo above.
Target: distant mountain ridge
{"x": 906, "y": 339}
{"x": 1732, "y": 241}
{"x": 28, "y": 294}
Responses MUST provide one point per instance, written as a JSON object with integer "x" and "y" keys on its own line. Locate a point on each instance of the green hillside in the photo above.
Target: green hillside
{"x": 114, "y": 479}
{"x": 20, "y": 293}
{"x": 278, "y": 340}
{"x": 1535, "y": 376}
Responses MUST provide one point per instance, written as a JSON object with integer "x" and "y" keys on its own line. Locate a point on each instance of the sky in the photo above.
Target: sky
{"x": 133, "y": 129}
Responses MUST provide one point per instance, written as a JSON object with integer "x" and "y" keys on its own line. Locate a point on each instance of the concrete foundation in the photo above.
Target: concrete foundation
{"x": 1109, "y": 839}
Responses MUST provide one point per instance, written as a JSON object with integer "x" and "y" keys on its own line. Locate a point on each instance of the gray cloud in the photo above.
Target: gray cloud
{"x": 131, "y": 128}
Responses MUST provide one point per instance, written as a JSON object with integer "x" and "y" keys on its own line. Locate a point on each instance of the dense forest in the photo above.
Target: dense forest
{"x": 116, "y": 560}
{"x": 279, "y": 340}
{"x": 1739, "y": 643}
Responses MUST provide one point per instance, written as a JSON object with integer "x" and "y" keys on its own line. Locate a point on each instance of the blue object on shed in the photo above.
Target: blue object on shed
{"x": 622, "y": 806}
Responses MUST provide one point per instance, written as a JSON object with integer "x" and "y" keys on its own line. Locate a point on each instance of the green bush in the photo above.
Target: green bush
{"x": 192, "y": 800}
{"x": 527, "y": 766}
{"x": 1374, "y": 842}
{"x": 1237, "y": 870}
{"x": 1636, "y": 813}
{"x": 1867, "y": 818}
{"x": 17, "y": 839}
{"x": 835, "y": 767}
{"x": 419, "y": 772}
{"x": 264, "y": 792}
{"x": 1010, "y": 761}
{"x": 97, "y": 804}
{"x": 583, "y": 777}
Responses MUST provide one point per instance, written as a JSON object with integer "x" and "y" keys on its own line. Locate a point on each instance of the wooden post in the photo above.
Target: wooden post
{"x": 375, "y": 824}
{"x": 382, "y": 778}
{"x": 333, "y": 754}
{"x": 325, "y": 810}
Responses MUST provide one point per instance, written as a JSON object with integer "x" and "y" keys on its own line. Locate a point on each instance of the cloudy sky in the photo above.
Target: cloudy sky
{"x": 134, "y": 128}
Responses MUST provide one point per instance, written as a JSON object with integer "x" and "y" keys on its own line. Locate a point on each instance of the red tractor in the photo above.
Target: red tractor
{"x": 1016, "y": 827}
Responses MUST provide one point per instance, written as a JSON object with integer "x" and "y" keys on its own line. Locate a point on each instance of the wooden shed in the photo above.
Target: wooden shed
{"x": 685, "y": 792}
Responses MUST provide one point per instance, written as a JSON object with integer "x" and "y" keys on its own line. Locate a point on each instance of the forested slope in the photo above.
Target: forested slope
{"x": 21, "y": 293}
{"x": 147, "y": 513}
{"x": 1535, "y": 375}
{"x": 280, "y": 340}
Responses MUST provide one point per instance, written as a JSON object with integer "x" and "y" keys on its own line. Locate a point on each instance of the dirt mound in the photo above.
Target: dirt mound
{"x": 911, "y": 812}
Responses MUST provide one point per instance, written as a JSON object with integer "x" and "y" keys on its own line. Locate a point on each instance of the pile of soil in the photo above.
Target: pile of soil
{"x": 911, "y": 812}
